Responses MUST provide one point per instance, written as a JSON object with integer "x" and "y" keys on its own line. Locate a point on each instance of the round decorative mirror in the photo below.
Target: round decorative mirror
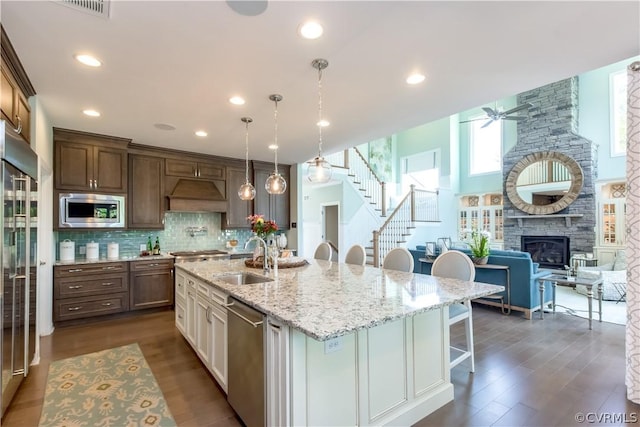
{"x": 545, "y": 182}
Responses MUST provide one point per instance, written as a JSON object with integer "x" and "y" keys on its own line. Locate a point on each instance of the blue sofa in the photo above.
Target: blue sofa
{"x": 525, "y": 291}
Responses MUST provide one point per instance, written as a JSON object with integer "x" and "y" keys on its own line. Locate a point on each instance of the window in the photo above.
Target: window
{"x": 421, "y": 170}
{"x": 485, "y": 147}
{"x": 618, "y": 113}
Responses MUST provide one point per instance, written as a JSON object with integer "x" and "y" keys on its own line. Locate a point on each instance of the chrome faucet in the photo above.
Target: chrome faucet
{"x": 265, "y": 261}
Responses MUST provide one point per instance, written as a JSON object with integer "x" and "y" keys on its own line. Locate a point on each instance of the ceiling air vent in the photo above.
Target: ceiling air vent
{"x": 93, "y": 7}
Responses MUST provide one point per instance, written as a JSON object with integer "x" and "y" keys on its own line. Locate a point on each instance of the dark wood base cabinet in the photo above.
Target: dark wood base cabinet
{"x": 151, "y": 284}
{"x": 89, "y": 290}
{"x": 83, "y": 291}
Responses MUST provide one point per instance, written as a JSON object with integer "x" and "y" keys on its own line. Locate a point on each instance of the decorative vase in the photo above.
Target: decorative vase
{"x": 480, "y": 260}
{"x": 282, "y": 241}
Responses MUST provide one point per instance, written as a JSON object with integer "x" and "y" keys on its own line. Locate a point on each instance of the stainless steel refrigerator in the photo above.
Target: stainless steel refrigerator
{"x": 19, "y": 201}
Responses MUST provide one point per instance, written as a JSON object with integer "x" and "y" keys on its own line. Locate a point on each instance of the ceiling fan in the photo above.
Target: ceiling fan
{"x": 493, "y": 114}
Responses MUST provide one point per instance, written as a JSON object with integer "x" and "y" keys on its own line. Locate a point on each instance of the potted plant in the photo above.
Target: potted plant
{"x": 478, "y": 242}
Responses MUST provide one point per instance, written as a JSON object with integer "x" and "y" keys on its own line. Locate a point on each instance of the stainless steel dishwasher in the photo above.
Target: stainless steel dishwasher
{"x": 246, "y": 386}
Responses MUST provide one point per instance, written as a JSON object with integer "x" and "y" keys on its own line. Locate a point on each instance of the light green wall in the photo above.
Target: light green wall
{"x": 594, "y": 118}
{"x": 314, "y": 197}
{"x": 424, "y": 138}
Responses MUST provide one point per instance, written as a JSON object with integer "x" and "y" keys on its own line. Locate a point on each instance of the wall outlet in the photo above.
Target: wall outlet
{"x": 82, "y": 250}
{"x": 143, "y": 247}
{"x": 333, "y": 345}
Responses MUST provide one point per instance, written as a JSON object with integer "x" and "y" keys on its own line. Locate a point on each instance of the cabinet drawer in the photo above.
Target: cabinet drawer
{"x": 218, "y": 296}
{"x": 203, "y": 289}
{"x": 76, "y": 308}
{"x": 92, "y": 285}
{"x": 180, "y": 316}
{"x": 156, "y": 264}
{"x": 83, "y": 269}
{"x": 181, "y": 286}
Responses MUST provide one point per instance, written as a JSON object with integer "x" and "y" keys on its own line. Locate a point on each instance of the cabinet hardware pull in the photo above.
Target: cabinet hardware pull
{"x": 95, "y": 183}
{"x": 274, "y": 326}
{"x": 107, "y": 304}
{"x": 107, "y": 284}
{"x": 75, "y": 270}
{"x": 108, "y": 268}
{"x": 19, "y": 128}
{"x": 179, "y": 316}
{"x": 91, "y": 183}
{"x": 74, "y": 308}
{"x": 75, "y": 287}
{"x": 154, "y": 265}
{"x": 254, "y": 324}
{"x": 208, "y": 314}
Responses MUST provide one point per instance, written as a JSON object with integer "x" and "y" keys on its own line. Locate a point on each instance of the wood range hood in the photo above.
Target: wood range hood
{"x": 194, "y": 195}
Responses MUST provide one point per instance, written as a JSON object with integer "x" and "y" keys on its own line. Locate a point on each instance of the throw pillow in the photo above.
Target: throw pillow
{"x": 588, "y": 274}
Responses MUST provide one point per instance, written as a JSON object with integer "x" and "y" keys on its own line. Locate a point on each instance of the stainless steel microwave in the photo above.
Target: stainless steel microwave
{"x": 81, "y": 210}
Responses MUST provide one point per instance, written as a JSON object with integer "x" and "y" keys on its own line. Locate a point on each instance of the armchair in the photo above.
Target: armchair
{"x": 614, "y": 277}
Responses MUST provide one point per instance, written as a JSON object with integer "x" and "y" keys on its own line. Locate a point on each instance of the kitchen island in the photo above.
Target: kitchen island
{"x": 345, "y": 344}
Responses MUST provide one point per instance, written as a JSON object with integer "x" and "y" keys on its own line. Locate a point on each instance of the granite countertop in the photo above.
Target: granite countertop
{"x": 326, "y": 299}
{"x": 122, "y": 258}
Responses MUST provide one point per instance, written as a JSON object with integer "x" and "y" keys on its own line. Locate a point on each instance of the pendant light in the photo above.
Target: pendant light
{"x": 276, "y": 183}
{"x": 246, "y": 191}
{"x": 319, "y": 170}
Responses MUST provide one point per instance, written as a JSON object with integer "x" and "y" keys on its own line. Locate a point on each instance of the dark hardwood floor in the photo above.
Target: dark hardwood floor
{"x": 528, "y": 373}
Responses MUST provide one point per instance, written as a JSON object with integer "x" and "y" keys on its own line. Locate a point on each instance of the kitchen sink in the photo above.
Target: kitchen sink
{"x": 243, "y": 278}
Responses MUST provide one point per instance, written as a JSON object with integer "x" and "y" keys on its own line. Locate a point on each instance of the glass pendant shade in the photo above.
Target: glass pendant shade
{"x": 246, "y": 190}
{"x": 319, "y": 171}
{"x": 275, "y": 184}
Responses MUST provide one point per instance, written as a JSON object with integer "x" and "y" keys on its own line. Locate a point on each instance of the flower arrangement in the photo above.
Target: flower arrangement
{"x": 478, "y": 242}
{"x": 262, "y": 227}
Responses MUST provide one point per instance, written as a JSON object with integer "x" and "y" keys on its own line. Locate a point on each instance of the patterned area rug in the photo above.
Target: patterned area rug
{"x": 575, "y": 304}
{"x": 109, "y": 388}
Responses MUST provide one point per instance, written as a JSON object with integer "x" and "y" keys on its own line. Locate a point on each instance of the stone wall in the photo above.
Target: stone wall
{"x": 552, "y": 126}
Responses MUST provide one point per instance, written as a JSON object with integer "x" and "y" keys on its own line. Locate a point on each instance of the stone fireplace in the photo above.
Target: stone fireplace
{"x": 552, "y": 126}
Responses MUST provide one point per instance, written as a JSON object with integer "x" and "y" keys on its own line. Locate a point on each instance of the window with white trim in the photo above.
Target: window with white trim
{"x": 485, "y": 147}
{"x": 421, "y": 170}
{"x": 618, "y": 89}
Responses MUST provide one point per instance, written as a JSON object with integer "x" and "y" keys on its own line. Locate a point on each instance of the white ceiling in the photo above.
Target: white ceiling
{"x": 178, "y": 62}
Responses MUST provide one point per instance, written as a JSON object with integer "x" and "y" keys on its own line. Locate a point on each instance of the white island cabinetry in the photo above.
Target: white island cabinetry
{"x": 202, "y": 318}
{"x": 394, "y": 373}
{"x": 348, "y": 345}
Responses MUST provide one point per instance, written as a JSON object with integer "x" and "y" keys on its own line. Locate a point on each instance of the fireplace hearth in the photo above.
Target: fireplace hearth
{"x": 548, "y": 251}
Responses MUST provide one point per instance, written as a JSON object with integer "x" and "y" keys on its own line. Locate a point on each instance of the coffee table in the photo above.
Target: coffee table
{"x": 561, "y": 279}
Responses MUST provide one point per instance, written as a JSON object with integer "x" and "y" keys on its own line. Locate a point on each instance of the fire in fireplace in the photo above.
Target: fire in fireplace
{"x": 549, "y": 251}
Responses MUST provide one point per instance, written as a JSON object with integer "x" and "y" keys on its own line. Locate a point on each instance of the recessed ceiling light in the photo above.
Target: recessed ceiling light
{"x": 311, "y": 30}
{"x": 91, "y": 113}
{"x": 89, "y": 60}
{"x": 323, "y": 123}
{"x": 273, "y": 147}
{"x": 415, "y": 78}
{"x": 201, "y": 133}
{"x": 164, "y": 126}
{"x": 236, "y": 100}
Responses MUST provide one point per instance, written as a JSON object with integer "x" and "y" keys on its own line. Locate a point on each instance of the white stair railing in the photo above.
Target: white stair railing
{"x": 365, "y": 179}
{"x": 416, "y": 206}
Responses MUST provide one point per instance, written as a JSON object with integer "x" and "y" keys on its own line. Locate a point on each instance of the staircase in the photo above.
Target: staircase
{"x": 416, "y": 206}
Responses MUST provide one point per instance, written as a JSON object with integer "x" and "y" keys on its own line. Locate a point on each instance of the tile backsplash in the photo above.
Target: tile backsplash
{"x": 183, "y": 231}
